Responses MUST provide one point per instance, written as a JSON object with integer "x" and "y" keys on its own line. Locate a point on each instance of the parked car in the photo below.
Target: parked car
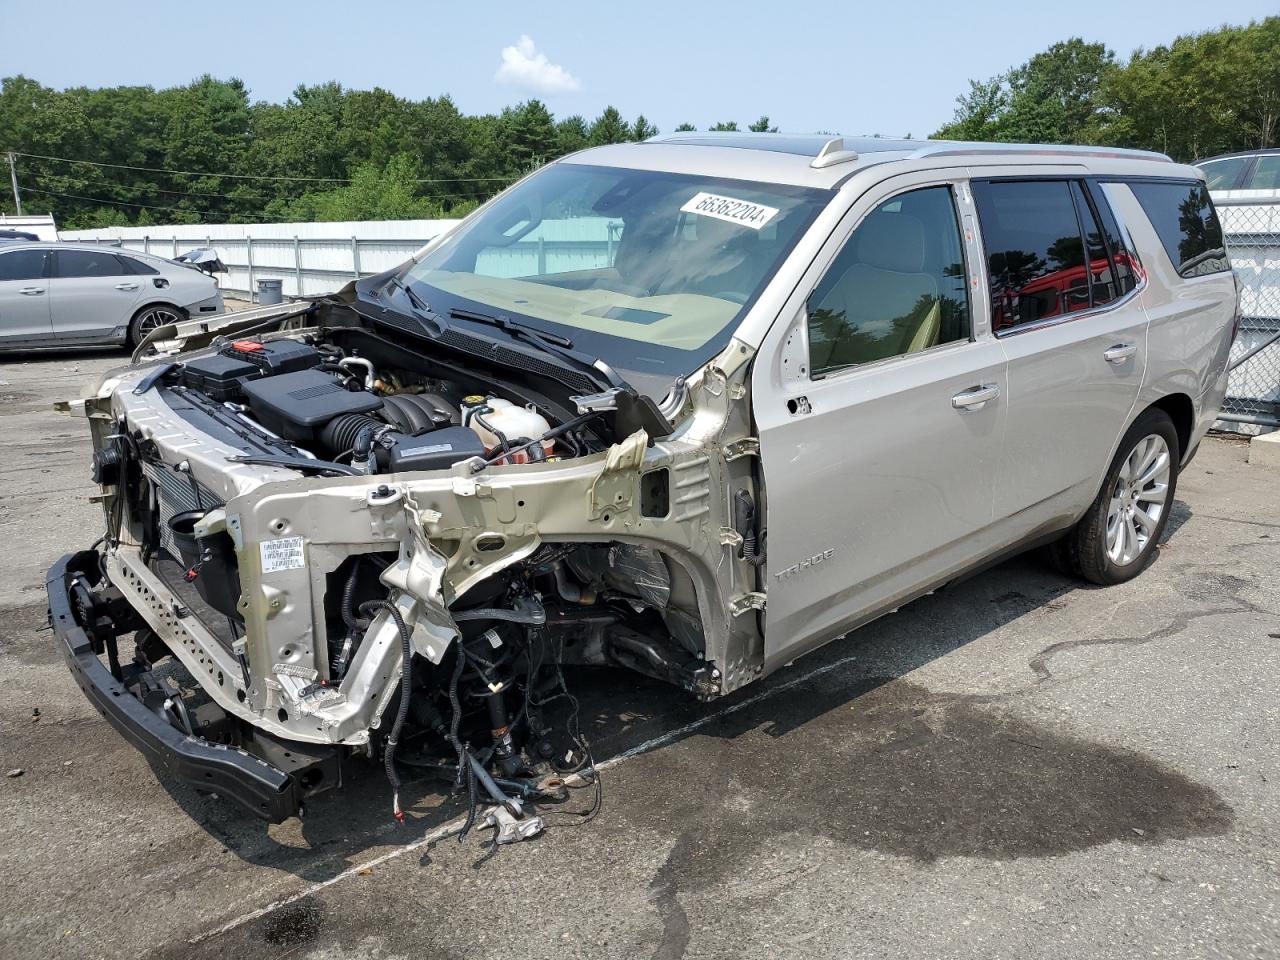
{"x": 740, "y": 396}
{"x": 1247, "y": 170}
{"x": 8, "y": 236}
{"x": 62, "y": 295}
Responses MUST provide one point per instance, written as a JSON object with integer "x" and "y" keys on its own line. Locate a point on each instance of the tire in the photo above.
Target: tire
{"x": 150, "y": 316}
{"x": 1112, "y": 543}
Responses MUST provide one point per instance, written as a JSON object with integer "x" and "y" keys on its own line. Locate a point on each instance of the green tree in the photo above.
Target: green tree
{"x": 727, "y": 126}
{"x": 375, "y": 193}
{"x": 686, "y": 128}
{"x": 1052, "y": 98}
{"x": 530, "y": 135}
{"x": 609, "y": 127}
{"x": 643, "y": 129}
{"x": 572, "y": 135}
{"x": 762, "y": 125}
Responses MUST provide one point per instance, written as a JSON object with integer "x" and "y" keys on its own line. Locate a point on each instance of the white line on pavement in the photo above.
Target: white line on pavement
{"x": 443, "y": 831}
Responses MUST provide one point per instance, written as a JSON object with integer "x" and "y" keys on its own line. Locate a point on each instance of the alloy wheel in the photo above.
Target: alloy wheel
{"x": 156, "y": 317}
{"x": 1138, "y": 499}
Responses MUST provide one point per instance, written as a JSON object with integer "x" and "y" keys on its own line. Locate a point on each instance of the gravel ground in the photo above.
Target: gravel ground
{"x": 1020, "y": 766}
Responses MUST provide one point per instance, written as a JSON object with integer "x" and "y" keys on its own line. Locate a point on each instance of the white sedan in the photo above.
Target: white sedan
{"x": 61, "y": 295}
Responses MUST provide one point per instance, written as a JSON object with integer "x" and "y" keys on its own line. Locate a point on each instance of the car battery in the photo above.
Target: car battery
{"x": 220, "y": 377}
{"x": 273, "y": 357}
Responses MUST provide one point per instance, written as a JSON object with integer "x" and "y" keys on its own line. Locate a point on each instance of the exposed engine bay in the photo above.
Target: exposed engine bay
{"x": 358, "y": 548}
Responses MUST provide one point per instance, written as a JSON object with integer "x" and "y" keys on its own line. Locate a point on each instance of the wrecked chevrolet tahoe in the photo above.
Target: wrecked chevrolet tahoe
{"x": 690, "y": 408}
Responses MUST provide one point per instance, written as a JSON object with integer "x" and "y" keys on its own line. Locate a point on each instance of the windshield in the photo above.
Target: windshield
{"x": 648, "y": 271}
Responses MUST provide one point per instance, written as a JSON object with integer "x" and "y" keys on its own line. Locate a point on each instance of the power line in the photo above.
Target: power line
{"x": 250, "y": 176}
{"x": 220, "y": 196}
{"x": 122, "y": 203}
{"x": 148, "y": 186}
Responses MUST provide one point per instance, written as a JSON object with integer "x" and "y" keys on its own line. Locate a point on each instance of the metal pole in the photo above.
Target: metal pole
{"x": 13, "y": 178}
{"x": 297, "y": 266}
{"x": 248, "y": 253}
{"x": 355, "y": 257}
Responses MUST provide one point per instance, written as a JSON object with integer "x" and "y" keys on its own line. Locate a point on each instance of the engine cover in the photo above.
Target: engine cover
{"x": 297, "y": 405}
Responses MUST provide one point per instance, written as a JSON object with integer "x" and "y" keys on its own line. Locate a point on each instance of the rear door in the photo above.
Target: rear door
{"x": 24, "y": 297}
{"x": 880, "y": 408}
{"x": 92, "y": 295}
{"x": 1063, "y": 307}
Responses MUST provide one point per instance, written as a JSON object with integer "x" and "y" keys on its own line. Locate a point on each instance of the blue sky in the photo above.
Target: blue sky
{"x": 888, "y": 68}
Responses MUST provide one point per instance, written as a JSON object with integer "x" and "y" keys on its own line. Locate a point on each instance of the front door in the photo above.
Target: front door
{"x": 92, "y": 294}
{"x": 24, "y": 298}
{"x": 881, "y": 412}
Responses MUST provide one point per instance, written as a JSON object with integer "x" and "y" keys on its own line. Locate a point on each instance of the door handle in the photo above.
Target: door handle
{"x": 126, "y": 286}
{"x": 31, "y": 291}
{"x": 975, "y": 397}
{"x": 1120, "y": 352}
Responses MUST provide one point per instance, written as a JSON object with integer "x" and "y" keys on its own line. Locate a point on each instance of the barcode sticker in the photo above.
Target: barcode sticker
{"x": 285, "y": 554}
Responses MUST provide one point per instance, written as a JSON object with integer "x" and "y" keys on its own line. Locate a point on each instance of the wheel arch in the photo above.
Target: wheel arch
{"x": 1182, "y": 411}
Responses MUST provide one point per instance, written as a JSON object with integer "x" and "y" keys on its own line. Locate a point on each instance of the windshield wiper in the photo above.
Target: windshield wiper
{"x": 420, "y": 306}
{"x": 551, "y": 343}
{"x": 514, "y": 327}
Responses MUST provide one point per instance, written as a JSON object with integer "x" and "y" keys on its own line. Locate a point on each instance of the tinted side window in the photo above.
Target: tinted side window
{"x": 22, "y": 264}
{"x": 897, "y": 286}
{"x": 1223, "y": 174}
{"x": 1103, "y": 287}
{"x": 85, "y": 263}
{"x": 1124, "y": 264}
{"x": 1035, "y": 254}
{"x": 133, "y": 265}
{"x": 1266, "y": 174}
{"x": 1186, "y": 223}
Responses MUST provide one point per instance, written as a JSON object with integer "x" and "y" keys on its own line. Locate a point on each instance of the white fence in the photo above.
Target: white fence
{"x": 309, "y": 258}
{"x": 317, "y": 258}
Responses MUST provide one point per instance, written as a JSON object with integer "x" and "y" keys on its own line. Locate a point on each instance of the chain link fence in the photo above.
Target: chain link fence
{"x": 1252, "y": 229}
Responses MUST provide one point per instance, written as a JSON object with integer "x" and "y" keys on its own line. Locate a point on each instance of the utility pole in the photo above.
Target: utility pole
{"x": 13, "y": 178}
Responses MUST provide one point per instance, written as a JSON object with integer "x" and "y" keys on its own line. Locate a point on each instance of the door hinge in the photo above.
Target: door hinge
{"x": 745, "y": 603}
{"x": 745, "y": 447}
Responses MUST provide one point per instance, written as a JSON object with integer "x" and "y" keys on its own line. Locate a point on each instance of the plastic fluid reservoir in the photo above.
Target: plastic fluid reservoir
{"x": 512, "y": 421}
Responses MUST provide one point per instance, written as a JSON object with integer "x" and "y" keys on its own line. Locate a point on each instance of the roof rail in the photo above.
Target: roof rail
{"x": 833, "y": 152}
{"x": 944, "y": 148}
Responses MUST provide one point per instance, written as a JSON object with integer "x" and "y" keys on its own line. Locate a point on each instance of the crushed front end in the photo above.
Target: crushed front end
{"x": 321, "y": 546}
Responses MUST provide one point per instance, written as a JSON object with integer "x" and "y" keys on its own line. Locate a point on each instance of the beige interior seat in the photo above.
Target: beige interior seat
{"x": 886, "y": 301}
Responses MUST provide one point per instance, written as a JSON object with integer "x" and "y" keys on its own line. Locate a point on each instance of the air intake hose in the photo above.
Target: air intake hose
{"x": 339, "y": 434}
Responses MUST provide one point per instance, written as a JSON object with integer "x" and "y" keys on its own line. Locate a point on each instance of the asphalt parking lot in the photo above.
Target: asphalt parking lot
{"x": 1019, "y": 766}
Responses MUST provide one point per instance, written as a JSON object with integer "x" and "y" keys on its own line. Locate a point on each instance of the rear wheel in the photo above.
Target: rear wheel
{"x": 1116, "y": 539}
{"x": 149, "y": 317}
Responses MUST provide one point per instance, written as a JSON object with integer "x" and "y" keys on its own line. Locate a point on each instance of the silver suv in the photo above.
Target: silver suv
{"x": 691, "y": 407}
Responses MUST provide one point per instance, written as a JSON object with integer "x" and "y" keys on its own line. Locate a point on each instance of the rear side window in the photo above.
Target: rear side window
{"x": 1124, "y": 265}
{"x": 1035, "y": 250}
{"x": 85, "y": 263}
{"x": 22, "y": 264}
{"x": 1266, "y": 173}
{"x": 133, "y": 265}
{"x": 1185, "y": 221}
{"x": 1223, "y": 174}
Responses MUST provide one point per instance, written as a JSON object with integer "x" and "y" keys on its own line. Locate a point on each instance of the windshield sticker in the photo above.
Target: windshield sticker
{"x": 742, "y": 212}
{"x": 283, "y": 554}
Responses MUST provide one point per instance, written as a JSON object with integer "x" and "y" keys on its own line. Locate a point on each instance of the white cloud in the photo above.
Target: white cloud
{"x": 523, "y": 65}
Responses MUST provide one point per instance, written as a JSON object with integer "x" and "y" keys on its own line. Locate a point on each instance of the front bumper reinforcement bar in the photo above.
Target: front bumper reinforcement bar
{"x": 260, "y": 788}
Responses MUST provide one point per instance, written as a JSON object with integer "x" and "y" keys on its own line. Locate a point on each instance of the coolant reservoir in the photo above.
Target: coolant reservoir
{"x": 502, "y": 416}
